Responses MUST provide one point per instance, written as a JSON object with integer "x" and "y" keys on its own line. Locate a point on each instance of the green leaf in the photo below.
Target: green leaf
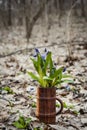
{"x": 76, "y": 112}
{"x": 47, "y": 78}
{"x": 48, "y": 63}
{"x": 39, "y": 79}
{"x": 35, "y": 64}
{"x": 57, "y": 82}
{"x": 66, "y": 76}
{"x": 40, "y": 66}
{"x": 71, "y": 106}
{"x": 18, "y": 125}
{"x": 57, "y": 76}
{"x": 65, "y": 105}
{"x": 33, "y": 104}
{"x": 8, "y": 89}
{"x": 68, "y": 106}
{"x": 51, "y": 65}
{"x": 33, "y": 76}
{"x": 57, "y": 105}
{"x": 27, "y": 121}
{"x": 52, "y": 71}
{"x": 66, "y": 81}
{"x": 22, "y": 120}
{"x": 58, "y": 72}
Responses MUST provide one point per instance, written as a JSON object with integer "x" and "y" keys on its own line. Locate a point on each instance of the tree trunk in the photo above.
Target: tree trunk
{"x": 74, "y": 11}
{"x": 60, "y": 3}
{"x": 30, "y": 21}
{"x": 9, "y": 13}
{"x": 82, "y": 8}
{"x": 56, "y": 4}
{"x": 3, "y": 15}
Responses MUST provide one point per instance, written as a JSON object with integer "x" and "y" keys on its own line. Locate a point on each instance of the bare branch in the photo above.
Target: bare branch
{"x": 30, "y": 23}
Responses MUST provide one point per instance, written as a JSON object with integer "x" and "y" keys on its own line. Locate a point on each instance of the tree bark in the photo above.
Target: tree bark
{"x": 82, "y": 8}
{"x": 9, "y": 13}
{"x": 60, "y": 3}
{"x": 3, "y": 15}
{"x": 31, "y": 21}
{"x": 74, "y": 8}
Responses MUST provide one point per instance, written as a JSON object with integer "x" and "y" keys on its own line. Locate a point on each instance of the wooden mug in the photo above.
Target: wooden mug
{"x": 46, "y": 105}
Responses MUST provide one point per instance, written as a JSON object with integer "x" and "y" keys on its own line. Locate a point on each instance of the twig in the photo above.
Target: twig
{"x": 74, "y": 126}
{"x": 69, "y": 124}
{"x": 6, "y": 100}
{"x": 68, "y": 28}
{"x": 27, "y": 49}
{"x": 30, "y": 49}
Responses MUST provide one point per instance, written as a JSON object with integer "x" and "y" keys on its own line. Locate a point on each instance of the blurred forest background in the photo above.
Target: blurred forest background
{"x": 27, "y": 12}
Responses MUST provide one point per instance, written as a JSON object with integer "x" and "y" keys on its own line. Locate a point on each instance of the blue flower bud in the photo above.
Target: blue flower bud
{"x": 36, "y": 50}
{"x": 64, "y": 69}
{"x": 45, "y": 50}
{"x": 35, "y": 55}
{"x": 68, "y": 88}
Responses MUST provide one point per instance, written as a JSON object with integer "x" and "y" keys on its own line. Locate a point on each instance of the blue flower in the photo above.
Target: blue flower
{"x": 45, "y": 54}
{"x": 35, "y": 55}
{"x": 36, "y": 52}
{"x": 67, "y": 88}
{"x": 64, "y": 69}
{"x": 45, "y": 50}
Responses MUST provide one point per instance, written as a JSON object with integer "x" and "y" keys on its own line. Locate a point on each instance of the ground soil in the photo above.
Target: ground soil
{"x": 15, "y": 55}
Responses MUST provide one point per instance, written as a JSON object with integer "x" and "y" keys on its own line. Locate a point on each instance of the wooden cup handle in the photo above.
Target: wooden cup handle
{"x": 61, "y": 107}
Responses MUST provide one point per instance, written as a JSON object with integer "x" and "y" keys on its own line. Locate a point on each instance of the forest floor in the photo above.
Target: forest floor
{"x": 15, "y": 55}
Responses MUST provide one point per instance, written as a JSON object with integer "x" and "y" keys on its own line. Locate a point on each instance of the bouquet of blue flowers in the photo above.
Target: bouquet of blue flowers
{"x": 47, "y": 74}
